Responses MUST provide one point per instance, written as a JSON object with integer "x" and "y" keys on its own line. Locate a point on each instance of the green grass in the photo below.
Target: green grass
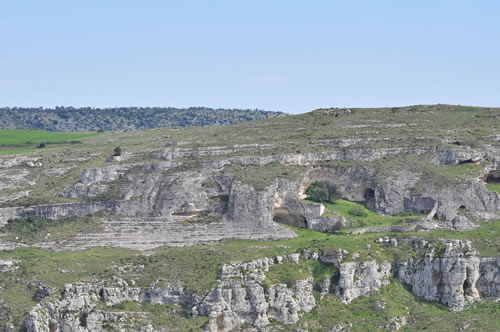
{"x": 494, "y": 187}
{"x": 15, "y": 151}
{"x": 21, "y": 136}
{"x": 17, "y": 141}
{"x": 287, "y": 273}
{"x": 360, "y": 216}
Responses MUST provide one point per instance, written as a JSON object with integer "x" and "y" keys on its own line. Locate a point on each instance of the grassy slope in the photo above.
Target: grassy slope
{"x": 198, "y": 266}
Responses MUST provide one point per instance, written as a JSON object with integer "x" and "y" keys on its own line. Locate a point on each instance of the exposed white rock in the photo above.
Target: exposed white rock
{"x": 8, "y": 265}
{"x": 362, "y": 279}
{"x": 451, "y": 278}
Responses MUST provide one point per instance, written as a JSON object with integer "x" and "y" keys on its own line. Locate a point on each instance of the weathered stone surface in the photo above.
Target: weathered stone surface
{"x": 240, "y": 297}
{"x": 75, "y": 311}
{"x": 57, "y": 211}
{"x": 450, "y": 278}
{"x": 39, "y": 290}
{"x": 8, "y": 265}
{"x": 361, "y": 279}
{"x": 488, "y": 283}
{"x": 451, "y": 157}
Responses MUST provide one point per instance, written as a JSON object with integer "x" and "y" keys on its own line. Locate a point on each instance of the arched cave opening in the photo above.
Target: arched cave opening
{"x": 468, "y": 161}
{"x": 369, "y": 194}
{"x": 493, "y": 177}
{"x": 284, "y": 216}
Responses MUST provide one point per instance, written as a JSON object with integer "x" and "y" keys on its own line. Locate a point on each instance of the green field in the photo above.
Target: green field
{"x": 21, "y": 136}
{"x": 20, "y": 141}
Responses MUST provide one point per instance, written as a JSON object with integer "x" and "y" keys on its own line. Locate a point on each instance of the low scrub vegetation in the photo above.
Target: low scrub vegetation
{"x": 323, "y": 192}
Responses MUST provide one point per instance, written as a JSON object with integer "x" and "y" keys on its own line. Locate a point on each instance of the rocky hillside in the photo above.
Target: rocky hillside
{"x": 226, "y": 228}
{"x": 123, "y": 118}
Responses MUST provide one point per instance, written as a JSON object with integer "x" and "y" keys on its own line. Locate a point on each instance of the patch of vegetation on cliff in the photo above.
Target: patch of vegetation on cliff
{"x": 33, "y": 229}
{"x": 323, "y": 192}
{"x": 261, "y": 177}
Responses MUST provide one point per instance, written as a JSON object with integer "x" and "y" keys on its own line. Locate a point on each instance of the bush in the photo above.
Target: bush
{"x": 358, "y": 211}
{"x": 323, "y": 191}
{"x": 118, "y": 151}
{"x": 338, "y": 226}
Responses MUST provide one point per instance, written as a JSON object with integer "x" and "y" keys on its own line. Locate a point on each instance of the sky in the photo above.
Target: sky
{"x": 290, "y": 56}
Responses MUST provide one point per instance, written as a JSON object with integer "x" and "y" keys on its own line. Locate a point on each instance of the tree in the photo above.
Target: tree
{"x": 323, "y": 191}
{"x": 118, "y": 151}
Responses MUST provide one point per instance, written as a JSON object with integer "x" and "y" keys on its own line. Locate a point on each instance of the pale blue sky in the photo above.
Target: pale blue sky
{"x": 290, "y": 56}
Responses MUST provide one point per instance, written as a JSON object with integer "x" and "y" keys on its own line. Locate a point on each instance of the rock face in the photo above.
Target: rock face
{"x": 456, "y": 278}
{"x": 361, "y": 279}
{"x": 154, "y": 189}
{"x": 93, "y": 181}
{"x": 241, "y": 297}
{"x": 76, "y": 310}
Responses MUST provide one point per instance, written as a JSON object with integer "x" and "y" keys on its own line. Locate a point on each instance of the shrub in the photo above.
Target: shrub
{"x": 358, "y": 212}
{"x": 338, "y": 226}
{"x": 118, "y": 151}
{"x": 323, "y": 191}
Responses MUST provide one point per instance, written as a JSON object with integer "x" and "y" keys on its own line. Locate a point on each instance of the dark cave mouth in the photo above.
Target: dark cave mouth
{"x": 284, "y": 216}
{"x": 493, "y": 177}
{"x": 369, "y": 194}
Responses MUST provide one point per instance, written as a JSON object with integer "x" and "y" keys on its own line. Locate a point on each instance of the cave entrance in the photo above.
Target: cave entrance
{"x": 468, "y": 161}
{"x": 369, "y": 194}
{"x": 493, "y": 177}
{"x": 466, "y": 288}
{"x": 284, "y": 216}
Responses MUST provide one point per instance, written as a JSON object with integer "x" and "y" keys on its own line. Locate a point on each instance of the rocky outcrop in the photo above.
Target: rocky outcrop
{"x": 488, "y": 283}
{"x": 93, "y": 181}
{"x": 450, "y": 278}
{"x": 456, "y": 156}
{"x": 241, "y": 297}
{"x": 248, "y": 204}
{"x": 57, "y": 211}
{"x": 451, "y": 273}
{"x": 76, "y": 310}
{"x": 361, "y": 279}
{"x": 8, "y": 265}
{"x": 391, "y": 195}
